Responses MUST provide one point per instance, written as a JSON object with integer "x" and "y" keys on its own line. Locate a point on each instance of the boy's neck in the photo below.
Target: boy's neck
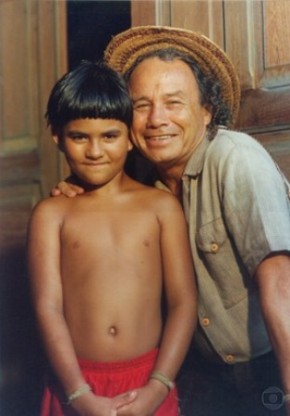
{"x": 113, "y": 187}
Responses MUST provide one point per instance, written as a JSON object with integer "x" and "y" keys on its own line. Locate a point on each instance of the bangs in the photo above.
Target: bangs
{"x": 89, "y": 93}
{"x": 107, "y": 103}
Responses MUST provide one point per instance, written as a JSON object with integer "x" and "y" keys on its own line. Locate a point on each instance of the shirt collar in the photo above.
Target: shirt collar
{"x": 195, "y": 163}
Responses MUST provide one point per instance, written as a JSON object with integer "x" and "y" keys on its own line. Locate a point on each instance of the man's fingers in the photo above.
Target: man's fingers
{"x": 55, "y": 192}
{"x": 66, "y": 188}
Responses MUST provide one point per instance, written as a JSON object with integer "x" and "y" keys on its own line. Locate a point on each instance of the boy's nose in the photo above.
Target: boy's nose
{"x": 94, "y": 150}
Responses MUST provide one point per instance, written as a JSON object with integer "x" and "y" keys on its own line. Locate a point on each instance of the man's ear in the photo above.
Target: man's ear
{"x": 130, "y": 146}
{"x": 130, "y": 142}
{"x": 57, "y": 140}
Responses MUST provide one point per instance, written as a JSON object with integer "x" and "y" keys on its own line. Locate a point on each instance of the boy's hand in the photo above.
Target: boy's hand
{"x": 125, "y": 398}
{"x": 147, "y": 401}
{"x": 67, "y": 188}
{"x": 91, "y": 405}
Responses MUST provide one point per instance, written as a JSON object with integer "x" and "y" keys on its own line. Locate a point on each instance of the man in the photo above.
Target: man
{"x": 185, "y": 95}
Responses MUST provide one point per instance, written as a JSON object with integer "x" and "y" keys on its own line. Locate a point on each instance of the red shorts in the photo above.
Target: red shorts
{"x": 109, "y": 380}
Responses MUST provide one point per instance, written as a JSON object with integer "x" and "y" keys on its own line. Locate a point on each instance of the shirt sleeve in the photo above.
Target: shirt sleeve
{"x": 256, "y": 205}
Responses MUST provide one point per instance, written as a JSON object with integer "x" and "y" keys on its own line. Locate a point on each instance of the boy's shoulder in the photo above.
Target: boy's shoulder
{"x": 51, "y": 206}
{"x": 157, "y": 197}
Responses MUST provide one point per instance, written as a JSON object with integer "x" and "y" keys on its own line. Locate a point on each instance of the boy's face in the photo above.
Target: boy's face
{"x": 95, "y": 149}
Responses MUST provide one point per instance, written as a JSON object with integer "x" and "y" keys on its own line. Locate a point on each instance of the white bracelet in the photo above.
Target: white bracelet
{"x": 163, "y": 379}
{"x": 78, "y": 392}
{"x": 286, "y": 397}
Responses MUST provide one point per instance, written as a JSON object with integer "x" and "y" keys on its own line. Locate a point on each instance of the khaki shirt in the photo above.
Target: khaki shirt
{"x": 237, "y": 211}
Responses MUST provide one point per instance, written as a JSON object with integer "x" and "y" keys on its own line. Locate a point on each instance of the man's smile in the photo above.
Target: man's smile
{"x": 159, "y": 137}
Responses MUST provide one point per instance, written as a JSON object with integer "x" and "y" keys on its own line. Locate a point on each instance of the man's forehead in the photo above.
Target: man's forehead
{"x": 170, "y": 77}
{"x": 160, "y": 69}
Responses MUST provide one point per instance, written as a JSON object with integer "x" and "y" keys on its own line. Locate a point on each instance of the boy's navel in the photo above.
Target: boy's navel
{"x": 113, "y": 330}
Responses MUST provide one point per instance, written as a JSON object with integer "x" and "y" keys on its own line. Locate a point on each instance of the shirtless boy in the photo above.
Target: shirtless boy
{"x": 99, "y": 264}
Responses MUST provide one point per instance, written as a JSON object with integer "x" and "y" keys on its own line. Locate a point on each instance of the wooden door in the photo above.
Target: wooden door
{"x": 32, "y": 57}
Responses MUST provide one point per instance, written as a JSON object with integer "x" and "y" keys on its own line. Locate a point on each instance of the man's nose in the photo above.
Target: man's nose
{"x": 157, "y": 116}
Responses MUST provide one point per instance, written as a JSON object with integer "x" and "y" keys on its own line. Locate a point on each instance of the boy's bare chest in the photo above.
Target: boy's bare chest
{"x": 111, "y": 229}
{"x": 119, "y": 243}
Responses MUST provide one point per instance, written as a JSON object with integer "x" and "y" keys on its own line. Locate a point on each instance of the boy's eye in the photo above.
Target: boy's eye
{"x": 111, "y": 136}
{"x": 77, "y": 137}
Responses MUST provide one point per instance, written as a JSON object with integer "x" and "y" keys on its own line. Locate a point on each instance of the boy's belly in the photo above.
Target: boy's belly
{"x": 115, "y": 330}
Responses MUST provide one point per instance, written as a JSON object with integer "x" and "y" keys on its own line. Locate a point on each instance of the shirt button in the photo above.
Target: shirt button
{"x": 214, "y": 247}
{"x": 229, "y": 358}
{"x": 205, "y": 322}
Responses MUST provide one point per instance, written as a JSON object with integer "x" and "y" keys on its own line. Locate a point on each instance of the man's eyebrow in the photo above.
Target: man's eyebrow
{"x": 142, "y": 98}
{"x": 177, "y": 93}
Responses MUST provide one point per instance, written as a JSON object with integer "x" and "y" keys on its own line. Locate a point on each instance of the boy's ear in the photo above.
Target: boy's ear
{"x": 57, "y": 140}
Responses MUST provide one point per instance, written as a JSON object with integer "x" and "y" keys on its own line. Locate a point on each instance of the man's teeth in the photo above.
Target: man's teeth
{"x": 159, "y": 137}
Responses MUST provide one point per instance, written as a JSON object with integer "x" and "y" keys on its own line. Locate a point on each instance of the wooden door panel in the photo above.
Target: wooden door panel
{"x": 32, "y": 57}
{"x": 278, "y": 144}
{"x": 265, "y": 109}
{"x": 275, "y": 65}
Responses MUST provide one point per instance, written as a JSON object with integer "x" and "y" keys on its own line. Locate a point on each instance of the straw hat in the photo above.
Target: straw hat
{"x": 123, "y": 50}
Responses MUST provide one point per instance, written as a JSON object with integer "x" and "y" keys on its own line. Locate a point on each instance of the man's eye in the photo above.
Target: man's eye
{"x": 173, "y": 102}
{"x": 141, "y": 106}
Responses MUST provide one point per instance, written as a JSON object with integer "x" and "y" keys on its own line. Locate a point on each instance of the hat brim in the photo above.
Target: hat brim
{"x": 125, "y": 48}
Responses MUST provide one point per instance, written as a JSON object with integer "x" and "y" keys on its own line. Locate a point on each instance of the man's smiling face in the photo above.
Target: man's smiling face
{"x": 169, "y": 121}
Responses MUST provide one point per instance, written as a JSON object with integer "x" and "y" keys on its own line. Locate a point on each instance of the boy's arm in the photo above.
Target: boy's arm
{"x": 44, "y": 269}
{"x": 180, "y": 288}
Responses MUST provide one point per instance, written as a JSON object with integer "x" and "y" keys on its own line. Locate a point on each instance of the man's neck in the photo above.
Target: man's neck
{"x": 172, "y": 178}
{"x": 171, "y": 174}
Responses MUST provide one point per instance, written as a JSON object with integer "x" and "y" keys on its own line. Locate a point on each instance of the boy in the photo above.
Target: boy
{"x": 99, "y": 263}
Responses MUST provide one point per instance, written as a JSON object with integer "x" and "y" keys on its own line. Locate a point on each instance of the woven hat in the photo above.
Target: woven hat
{"x": 125, "y": 48}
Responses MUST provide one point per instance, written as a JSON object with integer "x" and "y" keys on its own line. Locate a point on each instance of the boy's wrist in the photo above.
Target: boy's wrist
{"x": 157, "y": 391}
{"x": 85, "y": 388}
{"x": 163, "y": 379}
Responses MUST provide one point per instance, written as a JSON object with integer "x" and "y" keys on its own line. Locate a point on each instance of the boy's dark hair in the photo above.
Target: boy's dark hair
{"x": 91, "y": 90}
{"x": 209, "y": 89}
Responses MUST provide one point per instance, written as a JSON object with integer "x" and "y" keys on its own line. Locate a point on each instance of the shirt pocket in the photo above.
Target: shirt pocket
{"x": 223, "y": 264}
{"x": 211, "y": 236}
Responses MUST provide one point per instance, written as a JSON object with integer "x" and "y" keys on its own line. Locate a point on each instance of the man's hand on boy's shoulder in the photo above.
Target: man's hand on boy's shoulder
{"x": 68, "y": 187}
